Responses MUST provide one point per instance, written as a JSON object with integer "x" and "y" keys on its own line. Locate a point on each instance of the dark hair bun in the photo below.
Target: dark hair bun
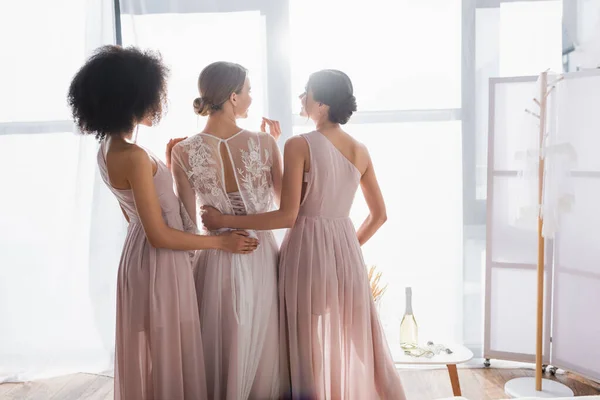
{"x": 340, "y": 112}
{"x": 334, "y": 88}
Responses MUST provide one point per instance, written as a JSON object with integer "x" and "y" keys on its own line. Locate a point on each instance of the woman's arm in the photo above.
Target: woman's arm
{"x": 374, "y": 198}
{"x": 295, "y": 155}
{"x": 159, "y": 234}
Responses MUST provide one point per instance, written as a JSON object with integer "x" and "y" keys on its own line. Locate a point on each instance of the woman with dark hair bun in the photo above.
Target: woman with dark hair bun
{"x": 159, "y": 352}
{"x": 335, "y": 345}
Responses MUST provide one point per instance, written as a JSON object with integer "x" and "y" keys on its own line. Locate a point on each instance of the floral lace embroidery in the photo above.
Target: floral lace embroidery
{"x": 203, "y": 171}
{"x": 255, "y": 179}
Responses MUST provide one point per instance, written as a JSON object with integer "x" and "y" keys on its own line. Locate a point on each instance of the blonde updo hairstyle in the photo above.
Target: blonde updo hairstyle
{"x": 216, "y": 83}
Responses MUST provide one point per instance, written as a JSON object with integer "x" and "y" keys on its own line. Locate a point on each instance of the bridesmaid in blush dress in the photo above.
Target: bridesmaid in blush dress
{"x": 335, "y": 345}
{"x": 159, "y": 354}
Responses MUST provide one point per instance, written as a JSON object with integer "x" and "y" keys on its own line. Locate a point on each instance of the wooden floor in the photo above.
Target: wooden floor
{"x": 477, "y": 384}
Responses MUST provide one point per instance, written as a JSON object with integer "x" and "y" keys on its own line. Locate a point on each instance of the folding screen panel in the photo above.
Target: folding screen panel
{"x": 576, "y": 294}
{"x": 511, "y": 253}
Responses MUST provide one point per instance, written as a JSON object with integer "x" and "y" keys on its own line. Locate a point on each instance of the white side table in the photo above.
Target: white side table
{"x": 460, "y": 354}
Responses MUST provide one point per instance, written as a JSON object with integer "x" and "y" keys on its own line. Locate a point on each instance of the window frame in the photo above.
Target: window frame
{"x": 279, "y": 86}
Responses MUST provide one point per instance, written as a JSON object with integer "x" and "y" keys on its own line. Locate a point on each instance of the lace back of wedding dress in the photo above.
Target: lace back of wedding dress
{"x": 200, "y": 161}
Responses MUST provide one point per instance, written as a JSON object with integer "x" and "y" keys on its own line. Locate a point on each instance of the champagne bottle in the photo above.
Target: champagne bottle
{"x": 409, "y": 330}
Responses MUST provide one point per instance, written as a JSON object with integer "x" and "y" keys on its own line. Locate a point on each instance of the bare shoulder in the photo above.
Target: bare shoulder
{"x": 296, "y": 143}
{"x": 126, "y": 161}
{"x": 134, "y": 153}
{"x": 360, "y": 148}
{"x": 135, "y": 159}
{"x": 360, "y": 151}
{"x": 124, "y": 154}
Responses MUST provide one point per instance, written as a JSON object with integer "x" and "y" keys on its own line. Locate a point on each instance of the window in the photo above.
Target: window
{"x": 34, "y": 82}
{"x": 506, "y": 45}
{"x": 400, "y": 54}
{"x": 188, "y": 43}
{"x": 530, "y": 37}
{"x": 487, "y": 54}
{"x": 419, "y": 167}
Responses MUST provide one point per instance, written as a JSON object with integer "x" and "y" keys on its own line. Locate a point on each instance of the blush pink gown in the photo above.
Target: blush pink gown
{"x": 158, "y": 350}
{"x": 336, "y": 347}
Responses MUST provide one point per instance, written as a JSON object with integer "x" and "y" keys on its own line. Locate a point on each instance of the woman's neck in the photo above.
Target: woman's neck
{"x": 327, "y": 126}
{"x": 125, "y": 137}
{"x": 221, "y": 125}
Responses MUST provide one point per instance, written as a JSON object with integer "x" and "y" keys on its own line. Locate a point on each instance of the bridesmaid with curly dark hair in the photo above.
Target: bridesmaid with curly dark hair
{"x": 159, "y": 351}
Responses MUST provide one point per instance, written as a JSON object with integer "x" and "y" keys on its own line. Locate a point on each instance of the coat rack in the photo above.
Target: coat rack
{"x": 538, "y": 387}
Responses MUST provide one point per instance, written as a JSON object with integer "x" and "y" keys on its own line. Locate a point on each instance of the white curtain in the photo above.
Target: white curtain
{"x": 60, "y": 230}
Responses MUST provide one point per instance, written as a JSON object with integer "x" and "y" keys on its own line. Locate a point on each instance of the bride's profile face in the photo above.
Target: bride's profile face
{"x": 242, "y": 100}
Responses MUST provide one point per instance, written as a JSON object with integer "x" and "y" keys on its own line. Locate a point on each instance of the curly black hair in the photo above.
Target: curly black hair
{"x": 116, "y": 88}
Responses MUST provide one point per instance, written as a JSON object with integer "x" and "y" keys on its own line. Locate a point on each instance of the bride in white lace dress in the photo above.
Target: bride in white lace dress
{"x": 237, "y": 172}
